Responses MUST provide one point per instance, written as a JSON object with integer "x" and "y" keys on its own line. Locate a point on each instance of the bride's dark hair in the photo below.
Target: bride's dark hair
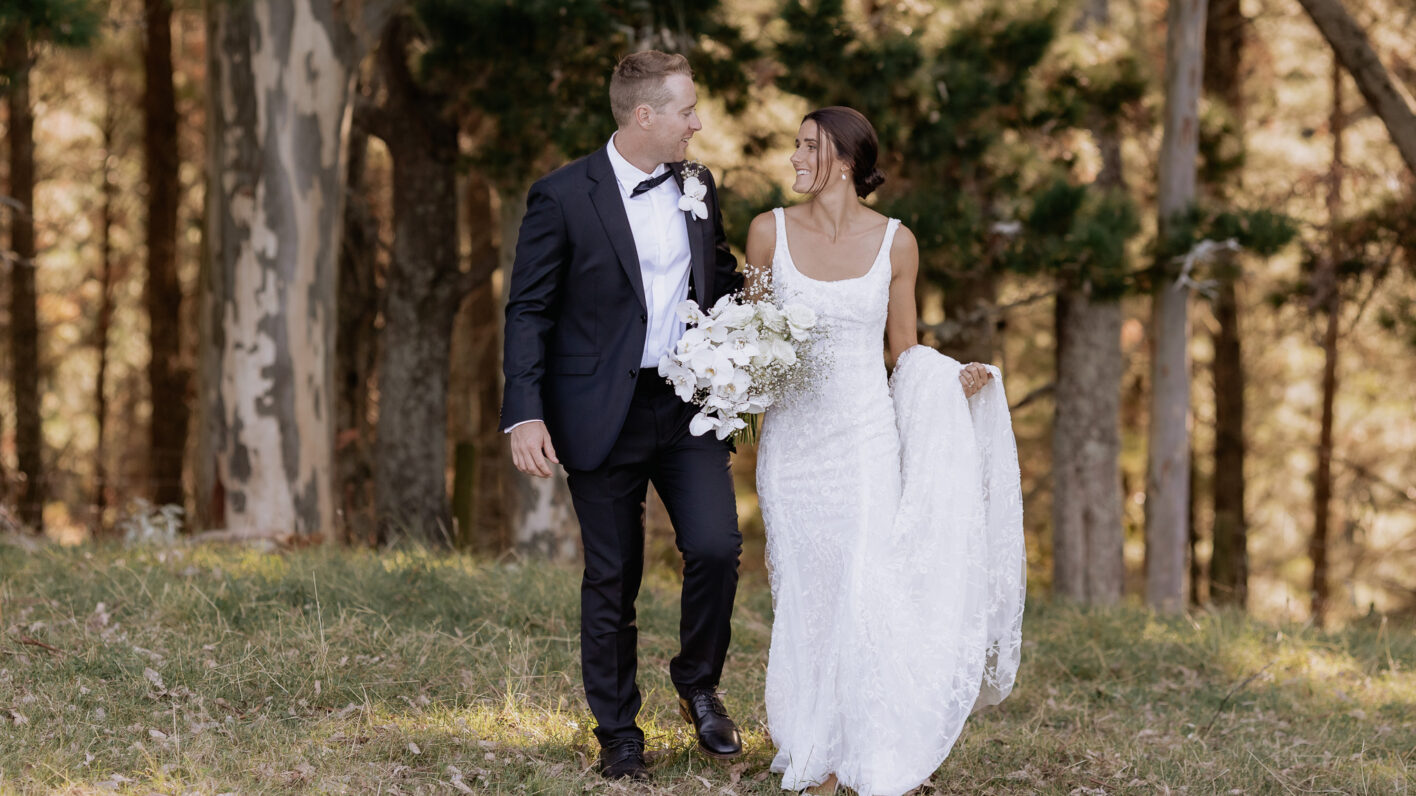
{"x": 855, "y": 142}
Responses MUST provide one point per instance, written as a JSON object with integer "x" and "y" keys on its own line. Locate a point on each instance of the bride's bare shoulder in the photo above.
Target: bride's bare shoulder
{"x": 904, "y": 240}
{"x": 762, "y": 230}
{"x": 761, "y": 239}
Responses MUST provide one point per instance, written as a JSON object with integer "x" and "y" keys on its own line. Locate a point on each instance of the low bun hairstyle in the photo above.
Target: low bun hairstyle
{"x": 855, "y": 143}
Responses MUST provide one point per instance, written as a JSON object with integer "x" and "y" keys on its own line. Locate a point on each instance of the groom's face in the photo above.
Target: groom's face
{"x": 676, "y": 122}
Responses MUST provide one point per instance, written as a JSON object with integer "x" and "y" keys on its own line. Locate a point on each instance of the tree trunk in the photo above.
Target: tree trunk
{"x": 104, "y": 322}
{"x": 1168, "y": 465}
{"x": 24, "y": 323}
{"x": 425, "y": 287}
{"x": 357, "y": 347}
{"x": 540, "y": 517}
{"x": 1329, "y": 300}
{"x": 970, "y": 305}
{"x": 1086, "y": 447}
{"x": 169, "y": 380}
{"x": 1350, "y": 46}
{"x": 475, "y": 395}
{"x": 281, "y": 75}
{"x": 1087, "y": 533}
{"x": 1229, "y": 559}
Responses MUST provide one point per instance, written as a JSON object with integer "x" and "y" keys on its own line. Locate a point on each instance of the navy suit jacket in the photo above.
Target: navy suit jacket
{"x": 576, "y": 316}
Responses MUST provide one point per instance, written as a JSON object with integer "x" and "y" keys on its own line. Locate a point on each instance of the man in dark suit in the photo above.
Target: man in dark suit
{"x": 609, "y": 246}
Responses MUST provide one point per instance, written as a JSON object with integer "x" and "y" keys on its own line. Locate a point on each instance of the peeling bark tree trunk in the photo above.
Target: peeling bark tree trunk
{"x": 1329, "y": 302}
{"x": 1087, "y": 533}
{"x": 1168, "y": 465}
{"x": 1229, "y": 558}
{"x": 1349, "y": 44}
{"x": 540, "y": 517}
{"x": 168, "y": 379}
{"x": 281, "y": 75}
{"x": 425, "y": 287}
{"x": 24, "y": 324}
{"x": 356, "y": 348}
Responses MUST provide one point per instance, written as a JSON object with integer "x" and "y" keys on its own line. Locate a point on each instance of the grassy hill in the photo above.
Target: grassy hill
{"x": 225, "y": 670}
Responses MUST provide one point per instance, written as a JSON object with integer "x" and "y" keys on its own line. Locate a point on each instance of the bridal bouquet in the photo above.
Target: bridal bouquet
{"x": 735, "y": 359}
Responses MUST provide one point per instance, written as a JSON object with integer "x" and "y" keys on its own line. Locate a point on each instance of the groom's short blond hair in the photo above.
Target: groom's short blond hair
{"x": 639, "y": 80}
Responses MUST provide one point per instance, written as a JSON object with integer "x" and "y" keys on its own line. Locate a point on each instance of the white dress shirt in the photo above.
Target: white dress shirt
{"x": 661, "y": 239}
{"x": 660, "y": 231}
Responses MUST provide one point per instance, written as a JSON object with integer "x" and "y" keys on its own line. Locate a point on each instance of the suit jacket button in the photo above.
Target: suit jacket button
{"x": 644, "y": 318}
{"x": 633, "y": 373}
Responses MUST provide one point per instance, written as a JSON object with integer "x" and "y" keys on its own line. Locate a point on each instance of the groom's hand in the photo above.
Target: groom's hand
{"x": 973, "y": 377}
{"x": 531, "y": 447}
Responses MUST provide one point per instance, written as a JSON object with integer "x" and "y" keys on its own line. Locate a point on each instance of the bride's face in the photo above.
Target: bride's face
{"x": 812, "y": 159}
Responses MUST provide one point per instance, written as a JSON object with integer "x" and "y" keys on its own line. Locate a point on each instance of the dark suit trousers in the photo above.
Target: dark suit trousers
{"x": 692, "y": 476}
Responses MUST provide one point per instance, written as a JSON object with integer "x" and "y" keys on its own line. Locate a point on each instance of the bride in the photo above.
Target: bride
{"x": 892, "y": 508}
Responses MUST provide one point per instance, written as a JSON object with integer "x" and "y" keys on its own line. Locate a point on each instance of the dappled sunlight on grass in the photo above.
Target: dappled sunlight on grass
{"x": 221, "y": 669}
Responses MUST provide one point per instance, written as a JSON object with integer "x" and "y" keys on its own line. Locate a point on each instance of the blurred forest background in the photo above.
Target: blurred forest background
{"x": 255, "y": 256}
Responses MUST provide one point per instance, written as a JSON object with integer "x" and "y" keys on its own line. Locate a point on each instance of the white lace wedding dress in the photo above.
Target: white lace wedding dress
{"x": 894, "y": 545}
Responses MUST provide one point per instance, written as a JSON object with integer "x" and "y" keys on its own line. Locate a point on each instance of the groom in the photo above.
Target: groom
{"x": 604, "y": 256}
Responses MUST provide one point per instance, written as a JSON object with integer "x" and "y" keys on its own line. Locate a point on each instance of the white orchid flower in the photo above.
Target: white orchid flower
{"x": 742, "y": 346}
{"x": 716, "y": 329}
{"x": 702, "y": 424}
{"x": 735, "y": 389}
{"x": 728, "y": 426}
{"x": 684, "y": 381}
{"x": 758, "y": 404}
{"x": 694, "y": 206}
{"x": 712, "y": 365}
{"x": 691, "y": 340}
{"x": 694, "y": 187}
{"x": 689, "y": 312}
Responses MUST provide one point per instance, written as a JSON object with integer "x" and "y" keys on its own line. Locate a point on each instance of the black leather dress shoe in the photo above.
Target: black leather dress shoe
{"x": 717, "y": 735}
{"x": 624, "y": 760}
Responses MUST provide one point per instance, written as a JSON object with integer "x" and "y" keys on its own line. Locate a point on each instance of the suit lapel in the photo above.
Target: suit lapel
{"x": 695, "y": 245}
{"x": 609, "y": 204}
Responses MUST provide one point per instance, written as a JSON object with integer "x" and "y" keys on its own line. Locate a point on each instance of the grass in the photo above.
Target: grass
{"x": 220, "y": 670}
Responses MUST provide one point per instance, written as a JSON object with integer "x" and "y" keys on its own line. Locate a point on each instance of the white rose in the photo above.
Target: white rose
{"x": 737, "y": 316}
{"x": 783, "y": 352}
{"x": 771, "y": 317}
{"x": 799, "y": 318}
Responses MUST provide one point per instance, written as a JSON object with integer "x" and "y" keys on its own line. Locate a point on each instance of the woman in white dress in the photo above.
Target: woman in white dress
{"x": 893, "y": 515}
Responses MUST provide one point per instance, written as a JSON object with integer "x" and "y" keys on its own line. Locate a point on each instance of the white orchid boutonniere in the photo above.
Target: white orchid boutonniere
{"x": 694, "y": 191}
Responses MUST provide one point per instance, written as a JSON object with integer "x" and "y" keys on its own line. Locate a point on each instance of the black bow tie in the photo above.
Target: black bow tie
{"x": 651, "y": 183}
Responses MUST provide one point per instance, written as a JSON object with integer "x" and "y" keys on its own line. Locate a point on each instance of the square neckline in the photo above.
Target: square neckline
{"x": 786, "y": 247}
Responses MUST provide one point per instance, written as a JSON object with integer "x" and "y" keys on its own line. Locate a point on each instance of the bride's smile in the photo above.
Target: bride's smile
{"x": 806, "y": 160}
